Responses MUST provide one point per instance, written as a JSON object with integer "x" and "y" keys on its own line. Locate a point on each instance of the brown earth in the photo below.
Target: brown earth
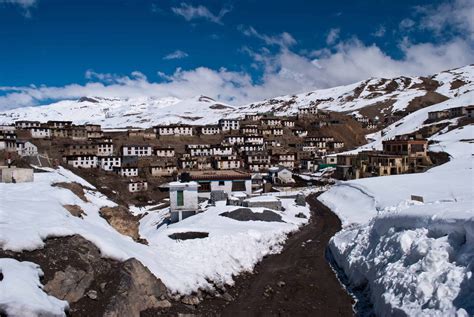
{"x": 297, "y": 282}
{"x": 76, "y": 188}
{"x": 123, "y": 221}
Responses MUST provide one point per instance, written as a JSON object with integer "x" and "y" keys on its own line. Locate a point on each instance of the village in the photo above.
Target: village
{"x": 234, "y": 160}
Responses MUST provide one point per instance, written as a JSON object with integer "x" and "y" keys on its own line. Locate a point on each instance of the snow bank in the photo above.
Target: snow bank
{"x": 27, "y": 219}
{"x": 411, "y": 258}
{"x": 21, "y": 293}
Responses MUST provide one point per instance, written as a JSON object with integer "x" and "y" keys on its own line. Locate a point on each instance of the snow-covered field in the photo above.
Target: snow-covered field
{"x": 413, "y": 258}
{"x": 32, "y": 212}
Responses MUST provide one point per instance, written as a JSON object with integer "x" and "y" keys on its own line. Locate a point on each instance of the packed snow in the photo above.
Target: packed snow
{"x": 412, "y": 258}
{"x": 21, "y": 293}
{"x": 185, "y": 266}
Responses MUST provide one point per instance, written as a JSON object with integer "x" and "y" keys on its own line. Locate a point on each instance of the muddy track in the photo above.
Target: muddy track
{"x": 296, "y": 282}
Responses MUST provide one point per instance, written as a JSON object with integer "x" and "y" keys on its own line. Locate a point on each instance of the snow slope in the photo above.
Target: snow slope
{"x": 412, "y": 258}
{"x": 119, "y": 113}
{"x": 184, "y": 266}
{"x": 393, "y": 95}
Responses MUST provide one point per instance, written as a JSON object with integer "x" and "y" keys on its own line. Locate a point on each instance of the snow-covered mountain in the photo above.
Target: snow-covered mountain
{"x": 373, "y": 98}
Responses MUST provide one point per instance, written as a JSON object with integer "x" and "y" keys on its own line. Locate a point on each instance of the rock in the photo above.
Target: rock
{"x": 281, "y": 284}
{"x": 227, "y": 297}
{"x": 217, "y": 195}
{"x": 300, "y": 215}
{"x": 190, "y": 300}
{"x": 76, "y": 188}
{"x": 122, "y": 220}
{"x": 75, "y": 210}
{"x": 300, "y": 200}
{"x": 163, "y": 304}
{"x": 69, "y": 284}
{"x": 137, "y": 290}
{"x": 92, "y": 294}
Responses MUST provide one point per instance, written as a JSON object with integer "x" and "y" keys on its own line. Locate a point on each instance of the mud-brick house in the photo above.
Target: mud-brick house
{"x": 8, "y": 141}
{"x": 335, "y": 145}
{"x": 137, "y": 185}
{"x": 198, "y": 150}
{"x": 438, "y": 115}
{"x": 251, "y": 148}
{"x": 227, "y": 162}
{"x": 26, "y": 148}
{"x": 183, "y": 200}
{"x": 470, "y": 112}
{"x": 174, "y": 130}
{"x": 187, "y": 162}
{"x": 40, "y": 132}
{"x": 209, "y": 130}
{"x": 163, "y": 169}
{"x": 80, "y": 149}
{"x": 229, "y": 124}
{"x": 137, "y": 150}
{"x": 126, "y": 171}
{"x": 457, "y": 112}
{"x": 285, "y": 159}
{"x": 24, "y": 124}
{"x": 277, "y": 131}
{"x": 253, "y": 117}
{"x": 58, "y": 124}
{"x": 59, "y": 133}
{"x": 406, "y": 146}
{"x": 107, "y": 163}
{"x": 78, "y": 133}
{"x": 307, "y": 110}
{"x": 234, "y": 139}
{"x": 281, "y": 175}
{"x": 104, "y": 148}
{"x": 250, "y": 130}
{"x": 300, "y": 132}
{"x": 271, "y": 121}
{"x": 165, "y": 152}
{"x": 222, "y": 150}
{"x": 228, "y": 181}
{"x": 82, "y": 161}
{"x": 254, "y": 140}
{"x": 288, "y": 123}
{"x": 257, "y": 161}
{"x": 385, "y": 164}
{"x": 309, "y": 164}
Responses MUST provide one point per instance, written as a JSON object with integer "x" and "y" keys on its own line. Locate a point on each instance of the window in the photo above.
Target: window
{"x": 179, "y": 198}
{"x": 221, "y": 183}
{"x": 238, "y": 186}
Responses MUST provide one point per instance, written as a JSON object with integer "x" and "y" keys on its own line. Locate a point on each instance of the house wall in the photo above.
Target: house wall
{"x": 20, "y": 175}
{"x": 190, "y": 198}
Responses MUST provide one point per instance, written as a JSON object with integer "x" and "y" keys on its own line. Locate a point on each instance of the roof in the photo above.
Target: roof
{"x": 182, "y": 185}
{"x": 218, "y": 175}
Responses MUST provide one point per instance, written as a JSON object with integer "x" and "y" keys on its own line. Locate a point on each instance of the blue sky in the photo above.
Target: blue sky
{"x": 235, "y": 51}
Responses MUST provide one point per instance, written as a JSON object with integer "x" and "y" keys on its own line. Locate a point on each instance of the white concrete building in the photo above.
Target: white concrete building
{"x": 24, "y": 124}
{"x": 137, "y": 150}
{"x": 126, "y": 171}
{"x": 222, "y": 150}
{"x": 175, "y": 130}
{"x": 254, "y": 140}
{"x": 163, "y": 170}
{"x": 234, "y": 139}
{"x": 183, "y": 200}
{"x": 227, "y": 162}
{"x": 105, "y": 149}
{"x": 210, "y": 130}
{"x": 228, "y": 181}
{"x": 197, "y": 150}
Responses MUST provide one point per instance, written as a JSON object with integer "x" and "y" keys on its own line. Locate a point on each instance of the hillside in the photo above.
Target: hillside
{"x": 380, "y": 99}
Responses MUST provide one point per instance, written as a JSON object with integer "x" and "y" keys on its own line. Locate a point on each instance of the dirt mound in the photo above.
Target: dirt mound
{"x": 75, "y": 210}
{"x": 188, "y": 235}
{"x": 246, "y": 214}
{"x": 429, "y": 99}
{"x": 123, "y": 221}
{"x": 76, "y": 188}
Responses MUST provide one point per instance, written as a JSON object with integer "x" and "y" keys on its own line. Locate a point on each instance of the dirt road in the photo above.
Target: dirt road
{"x": 296, "y": 282}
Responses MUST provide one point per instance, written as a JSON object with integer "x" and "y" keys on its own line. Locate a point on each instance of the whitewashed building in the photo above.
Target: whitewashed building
{"x": 234, "y": 139}
{"x": 26, "y": 148}
{"x": 105, "y": 149}
{"x": 210, "y": 130}
{"x": 227, "y": 162}
{"x": 135, "y": 185}
{"x": 222, "y": 150}
{"x": 228, "y": 181}
{"x": 126, "y": 171}
{"x": 163, "y": 170}
{"x": 82, "y": 161}
{"x": 40, "y": 132}
{"x": 229, "y": 124}
{"x": 24, "y": 124}
{"x": 183, "y": 200}
{"x": 137, "y": 150}
{"x": 165, "y": 152}
{"x": 254, "y": 140}
{"x": 107, "y": 163}
{"x": 175, "y": 130}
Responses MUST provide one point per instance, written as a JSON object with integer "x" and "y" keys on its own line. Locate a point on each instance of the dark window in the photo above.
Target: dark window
{"x": 179, "y": 198}
{"x": 204, "y": 187}
{"x": 221, "y": 183}
{"x": 238, "y": 186}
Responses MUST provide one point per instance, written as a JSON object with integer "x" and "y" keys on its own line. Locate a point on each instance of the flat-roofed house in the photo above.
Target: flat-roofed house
{"x": 82, "y": 161}
{"x": 183, "y": 200}
{"x": 174, "y": 130}
{"x": 227, "y": 162}
{"x": 24, "y": 124}
{"x": 209, "y": 130}
{"x": 137, "y": 185}
{"x": 107, "y": 163}
{"x": 137, "y": 150}
{"x": 58, "y": 124}
{"x": 26, "y": 148}
{"x": 40, "y": 132}
{"x": 163, "y": 169}
{"x": 228, "y": 181}
{"x": 165, "y": 152}
{"x": 229, "y": 124}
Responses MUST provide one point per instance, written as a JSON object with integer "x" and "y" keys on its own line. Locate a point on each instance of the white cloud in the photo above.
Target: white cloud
{"x": 178, "y": 54}
{"x": 380, "y": 31}
{"x": 25, "y": 5}
{"x": 332, "y": 36}
{"x": 190, "y": 12}
{"x": 284, "y": 39}
{"x": 406, "y": 24}
{"x": 457, "y": 14}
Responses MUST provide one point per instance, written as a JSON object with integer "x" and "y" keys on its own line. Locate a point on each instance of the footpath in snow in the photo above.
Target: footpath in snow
{"x": 412, "y": 258}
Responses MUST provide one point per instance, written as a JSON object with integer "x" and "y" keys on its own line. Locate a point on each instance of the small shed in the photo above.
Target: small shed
{"x": 183, "y": 200}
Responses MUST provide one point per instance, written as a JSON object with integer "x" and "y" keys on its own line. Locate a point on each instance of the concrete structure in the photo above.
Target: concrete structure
{"x": 135, "y": 185}
{"x": 107, "y": 163}
{"x": 15, "y": 175}
{"x": 176, "y": 130}
{"x": 269, "y": 202}
{"x": 228, "y": 181}
{"x": 82, "y": 161}
{"x": 183, "y": 200}
{"x": 137, "y": 150}
{"x": 281, "y": 175}
{"x": 40, "y": 132}
{"x": 229, "y": 124}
